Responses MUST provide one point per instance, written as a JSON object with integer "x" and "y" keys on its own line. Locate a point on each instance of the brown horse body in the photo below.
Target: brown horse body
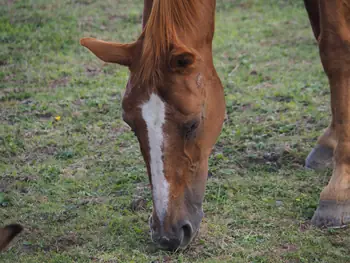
{"x": 174, "y": 102}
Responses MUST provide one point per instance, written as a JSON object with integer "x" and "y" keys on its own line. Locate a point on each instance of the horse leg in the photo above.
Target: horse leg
{"x": 322, "y": 155}
{"x": 334, "y": 45}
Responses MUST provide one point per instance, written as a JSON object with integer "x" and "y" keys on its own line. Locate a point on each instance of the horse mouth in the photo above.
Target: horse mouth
{"x": 187, "y": 235}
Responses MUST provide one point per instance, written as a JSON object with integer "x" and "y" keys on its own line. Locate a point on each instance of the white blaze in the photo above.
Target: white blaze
{"x": 153, "y": 113}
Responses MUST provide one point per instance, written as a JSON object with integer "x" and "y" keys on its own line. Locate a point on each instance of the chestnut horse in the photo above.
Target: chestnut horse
{"x": 174, "y": 102}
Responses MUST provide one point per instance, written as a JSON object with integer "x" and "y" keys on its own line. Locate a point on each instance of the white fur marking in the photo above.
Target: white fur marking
{"x": 153, "y": 112}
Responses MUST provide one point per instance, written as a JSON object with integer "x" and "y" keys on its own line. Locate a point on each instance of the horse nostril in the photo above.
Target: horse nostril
{"x": 187, "y": 234}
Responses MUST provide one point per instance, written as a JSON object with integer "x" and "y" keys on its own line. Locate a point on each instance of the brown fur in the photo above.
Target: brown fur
{"x": 334, "y": 45}
{"x": 166, "y": 18}
{"x": 8, "y": 233}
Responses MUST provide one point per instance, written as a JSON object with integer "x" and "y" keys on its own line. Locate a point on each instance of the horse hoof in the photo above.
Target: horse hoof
{"x": 319, "y": 158}
{"x": 332, "y": 214}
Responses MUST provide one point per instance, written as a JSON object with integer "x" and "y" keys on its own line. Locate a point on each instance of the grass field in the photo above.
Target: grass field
{"x": 71, "y": 171}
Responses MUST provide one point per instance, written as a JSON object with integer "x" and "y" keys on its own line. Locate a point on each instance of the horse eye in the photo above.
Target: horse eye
{"x": 190, "y": 129}
{"x": 182, "y": 62}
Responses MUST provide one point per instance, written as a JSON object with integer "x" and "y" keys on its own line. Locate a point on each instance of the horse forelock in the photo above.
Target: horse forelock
{"x": 167, "y": 17}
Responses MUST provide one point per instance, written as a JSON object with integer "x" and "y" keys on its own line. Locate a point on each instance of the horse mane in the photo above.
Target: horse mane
{"x": 160, "y": 32}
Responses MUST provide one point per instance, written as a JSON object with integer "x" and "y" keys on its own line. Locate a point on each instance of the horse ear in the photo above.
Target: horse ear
{"x": 109, "y": 51}
{"x": 181, "y": 59}
{"x": 8, "y": 233}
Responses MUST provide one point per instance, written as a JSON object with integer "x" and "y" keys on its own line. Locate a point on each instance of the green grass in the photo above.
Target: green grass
{"x": 79, "y": 184}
